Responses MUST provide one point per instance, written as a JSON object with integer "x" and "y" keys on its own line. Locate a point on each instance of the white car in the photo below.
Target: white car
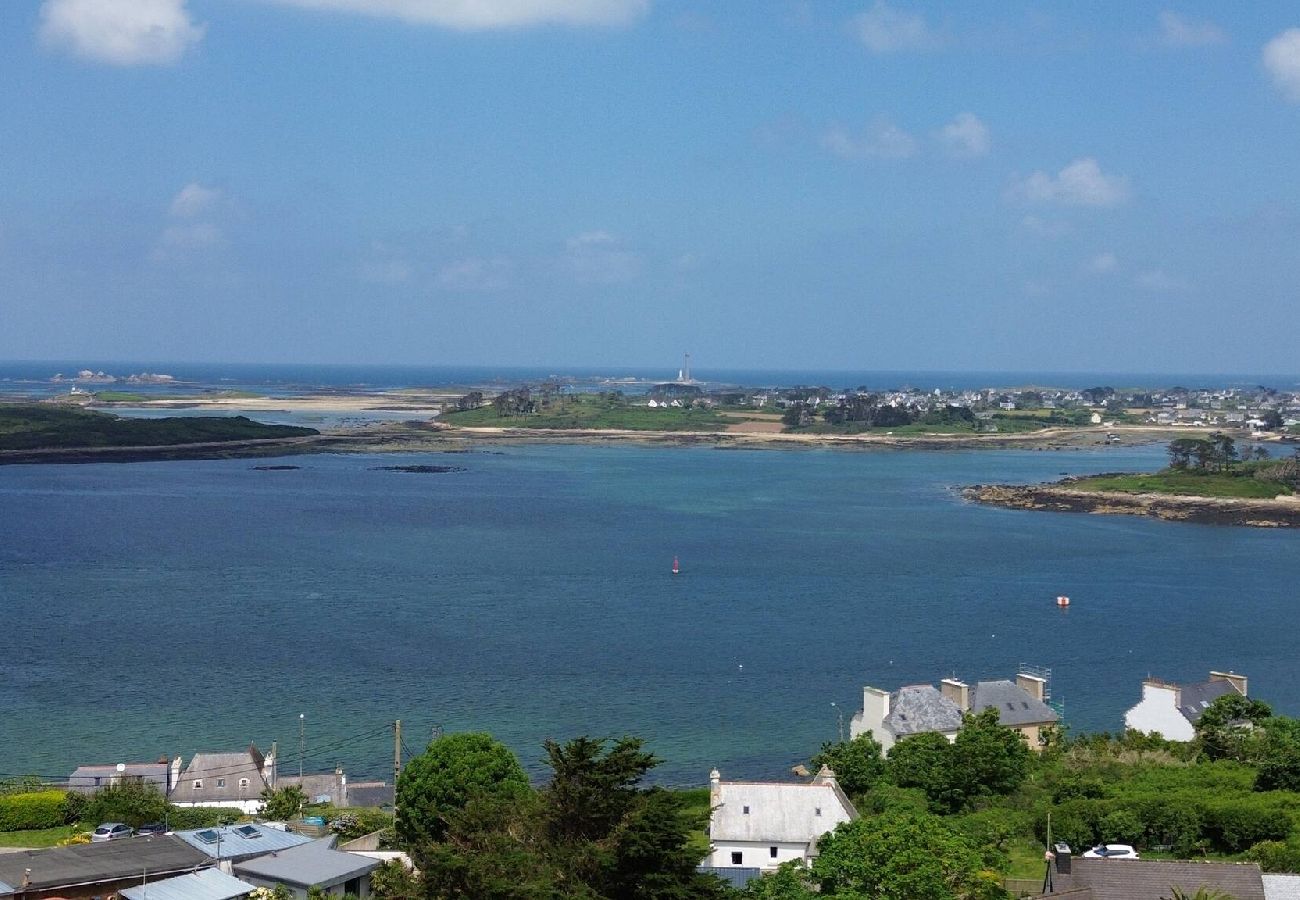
{"x": 1111, "y": 851}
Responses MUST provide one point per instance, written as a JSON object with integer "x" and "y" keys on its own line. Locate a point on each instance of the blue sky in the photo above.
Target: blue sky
{"x": 867, "y": 185}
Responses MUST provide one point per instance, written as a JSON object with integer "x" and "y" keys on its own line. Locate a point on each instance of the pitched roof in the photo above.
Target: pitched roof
{"x": 1015, "y": 705}
{"x": 219, "y": 775}
{"x": 88, "y": 779}
{"x": 330, "y": 785}
{"x": 208, "y": 884}
{"x": 316, "y": 862}
{"x": 78, "y": 864}
{"x": 370, "y": 793}
{"x": 767, "y": 811}
{"x": 1194, "y": 698}
{"x": 1281, "y": 887}
{"x": 1146, "y": 879}
{"x": 918, "y": 708}
{"x": 240, "y": 841}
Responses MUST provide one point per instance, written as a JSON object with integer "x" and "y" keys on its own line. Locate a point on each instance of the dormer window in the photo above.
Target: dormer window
{"x": 243, "y": 782}
{"x": 198, "y": 784}
{"x": 221, "y": 782}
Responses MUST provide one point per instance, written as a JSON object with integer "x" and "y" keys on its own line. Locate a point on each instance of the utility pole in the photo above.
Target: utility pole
{"x": 397, "y": 751}
{"x": 302, "y": 743}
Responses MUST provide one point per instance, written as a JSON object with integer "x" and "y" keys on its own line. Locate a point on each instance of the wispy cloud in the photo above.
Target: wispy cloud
{"x": 883, "y": 29}
{"x": 1282, "y": 60}
{"x": 1159, "y": 281}
{"x": 1178, "y": 31}
{"x": 194, "y": 227}
{"x": 120, "y": 32}
{"x": 965, "y": 136}
{"x": 1102, "y": 264}
{"x": 194, "y": 200}
{"x": 477, "y": 274}
{"x": 882, "y": 140}
{"x": 1081, "y": 183}
{"x": 487, "y": 15}
{"x": 597, "y": 257}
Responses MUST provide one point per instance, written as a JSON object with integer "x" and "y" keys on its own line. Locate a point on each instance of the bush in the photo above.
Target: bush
{"x": 183, "y": 818}
{"x": 1234, "y": 826}
{"x": 74, "y": 807}
{"x": 38, "y": 809}
{"x": 1276, "y": 856}
{"x": 132, "y": 802}
{"x": 358, "y": 822}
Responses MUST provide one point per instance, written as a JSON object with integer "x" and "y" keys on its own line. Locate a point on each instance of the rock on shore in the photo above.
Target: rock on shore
{"x": 1278, "y": 513}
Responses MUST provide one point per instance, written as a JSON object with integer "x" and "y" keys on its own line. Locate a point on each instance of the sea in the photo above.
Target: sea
{"x": 164, "y": 608}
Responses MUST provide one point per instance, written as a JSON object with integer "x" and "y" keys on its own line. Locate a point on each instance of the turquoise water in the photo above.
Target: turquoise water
{"x": 167, "y": 607}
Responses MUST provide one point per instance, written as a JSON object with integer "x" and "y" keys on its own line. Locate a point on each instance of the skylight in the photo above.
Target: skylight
{"x": 208, "y": 837}
{"x": 248, "y": 831}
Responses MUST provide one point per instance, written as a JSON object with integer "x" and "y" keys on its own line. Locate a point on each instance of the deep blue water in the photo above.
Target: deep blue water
{"x": 286, "y": 380}
{"x": 167, "y": 607}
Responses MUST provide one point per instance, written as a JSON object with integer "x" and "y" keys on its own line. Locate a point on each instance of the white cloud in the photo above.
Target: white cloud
{"x": 485, "y": 15}
{"x": 1282, "y": 59}
{"x": 1159, "y": 281}
{"x": 194, "y": 200}
{"x": 1177, "y": 31}
{"x": 966, "y": 135}
{"x": 120, "y": 32}
{"x": 477, "y": 274}
{"x": 882, "y": 140}
{"x": 597, "y": 257}
{"x": 1103, "y": 264}
{"x": 886, "y": 30}
{"x": 1081, "y": 183}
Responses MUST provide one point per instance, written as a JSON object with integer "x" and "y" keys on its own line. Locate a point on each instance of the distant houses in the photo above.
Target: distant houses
{"x": 233, "y": 780}
{"x": 1172, "y": 710}
{"x": 890, "y": 716}
{"x": 90, "y": 779}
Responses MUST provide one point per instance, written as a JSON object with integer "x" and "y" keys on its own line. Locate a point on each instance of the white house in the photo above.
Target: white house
{"x": 234, "y": 780}
{"x": 1172, "y": 710}
{"x": 762, "y": 824}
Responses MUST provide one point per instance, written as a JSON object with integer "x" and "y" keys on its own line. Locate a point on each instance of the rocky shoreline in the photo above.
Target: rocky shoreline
{"x": 1277, "y": 513}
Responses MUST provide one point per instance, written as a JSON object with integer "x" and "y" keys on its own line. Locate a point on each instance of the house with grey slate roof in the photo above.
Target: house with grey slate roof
{"x": 234, "y": 780}
{"x": 314, "y": 864}
{"x": 90, "y": 779}
{"x": 921, "y": 708}
{"x": 1172, "y": 710}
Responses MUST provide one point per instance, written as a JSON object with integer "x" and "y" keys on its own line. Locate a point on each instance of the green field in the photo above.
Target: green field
{"x": 590, "y": 411}
{"x": 1187, "y": 484}
{"x": 39, "y": 426}
{"x": 44, "y": 837}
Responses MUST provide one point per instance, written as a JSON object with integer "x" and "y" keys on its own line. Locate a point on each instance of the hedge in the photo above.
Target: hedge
{"x": 38, "y": 809}
{"x": 183, "y": 818}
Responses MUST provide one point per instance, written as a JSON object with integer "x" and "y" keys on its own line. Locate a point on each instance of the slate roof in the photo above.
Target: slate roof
{"x": 1281, "y": 887}
{"x": 85, "y": 864}
{"x": 330, "y": 785}
{"x": 220, "y": 774}
{"x": 240, "y": 841}
{"x": 1194, "y": 698}
{"x": 88, "y": 779}
{"x": 780, "y": 812}
{"x": 1014, "y": 704}
{"x": 208, "y": 884}
{"x": 316, "y": 862}
{"x": 1147, "y": 879}
{"x": 918, "y": 708}
{"x": 370, "y": 793}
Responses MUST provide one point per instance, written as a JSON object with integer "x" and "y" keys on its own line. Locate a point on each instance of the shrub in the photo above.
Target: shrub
{"x": 74, "y": 807}
{"x": 132, "y": 802}
{"x": 183, "y": 818}
{"x": 1276, "y": 856}
{"x": 358, "y": 822}
{"x": 38, "y": 809}
{"x": 1235, "y": 825}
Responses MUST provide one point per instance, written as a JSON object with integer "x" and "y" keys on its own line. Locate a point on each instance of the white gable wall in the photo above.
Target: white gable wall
{"x": 1158, "y": 712}
{"x": 754, "y": 854}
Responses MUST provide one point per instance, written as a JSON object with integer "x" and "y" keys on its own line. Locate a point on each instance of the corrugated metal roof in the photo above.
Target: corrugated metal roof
{"x": 209, "y": 884}
{"x": 736, "y": 876}
{"x": 316, "y": 862}
{"x": 237, "y": 841}
{"x": 59, "y": 867}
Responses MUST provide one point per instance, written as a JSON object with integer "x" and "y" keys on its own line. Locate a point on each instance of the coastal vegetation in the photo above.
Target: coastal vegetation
{"x": 524, "y": 408}
{"x": 1208, "y": 467}
{"x": 48, "y": 426}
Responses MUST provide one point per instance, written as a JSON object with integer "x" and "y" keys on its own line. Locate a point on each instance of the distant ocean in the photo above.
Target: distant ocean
{"x": 34, "y": 377}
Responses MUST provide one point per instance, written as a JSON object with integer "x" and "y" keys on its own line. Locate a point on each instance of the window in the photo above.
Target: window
{"x": 745, "y": 810}
{"x": 221, "y": 782}
{"x": 243, "y": 782}
{"x": 737, "y": 859}
{"x": 817, "y": 811}
{"x": 772, "y": 852}
{"x": 198, "y": 783}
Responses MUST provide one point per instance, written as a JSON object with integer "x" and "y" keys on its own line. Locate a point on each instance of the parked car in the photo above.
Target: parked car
{"x": 151, "y": 828}
{"x": 1111, "y": 851}
{"x": 110, "y": 831}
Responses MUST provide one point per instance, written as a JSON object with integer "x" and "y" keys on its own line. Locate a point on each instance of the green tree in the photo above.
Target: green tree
{"x": 989, "y": 758}
{"x": 450, "y": 772}
{"x": 902, "y": 858}
{"x": 858, "y": 764}
{"x": 394, "y": 881}
{"x": 925, "y": 761}
{"x": 791, "y": 881}
{"x": 1224, "y": 729}
{"x": 285, "y": 803}
{"x": 133, "y": 801}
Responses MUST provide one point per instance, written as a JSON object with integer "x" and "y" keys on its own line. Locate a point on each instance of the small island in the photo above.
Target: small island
{"x": 45, "y": 432}
{"x": 1208, "y": 480}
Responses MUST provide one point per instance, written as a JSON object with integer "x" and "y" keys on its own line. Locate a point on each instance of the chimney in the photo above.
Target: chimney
{"x": 1062, "y": 858}
{"x": 825, "y": 775}
{"x": 715, "y": 789}
{"x": 1237, "y": 681}
{"x": 1032, "y": 685}
{"x": 174, "y": 773}
{"x": 875, "y": 707}
{"x": 27, "y": 878}
{"x": 957, "y": 691}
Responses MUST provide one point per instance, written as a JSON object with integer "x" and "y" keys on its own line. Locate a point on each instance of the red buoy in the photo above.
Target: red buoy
{"x": 676, "y": 567}
{"x": 1062, "y": 602}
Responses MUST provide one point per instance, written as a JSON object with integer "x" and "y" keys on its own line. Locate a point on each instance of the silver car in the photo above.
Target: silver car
{"x": 110, "y": 831}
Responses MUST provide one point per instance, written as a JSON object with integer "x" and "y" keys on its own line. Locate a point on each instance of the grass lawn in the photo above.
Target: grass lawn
{"x": 1185, "y": 484}
{"x": 41, "y": 425}
{"x": 587, "y": 411}
{"x": 44, "y": 837}
{"x": 697, "y": 807}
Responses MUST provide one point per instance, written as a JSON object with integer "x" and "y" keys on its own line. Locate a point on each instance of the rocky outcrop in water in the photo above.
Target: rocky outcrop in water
{"x": 1278, "y": 513}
